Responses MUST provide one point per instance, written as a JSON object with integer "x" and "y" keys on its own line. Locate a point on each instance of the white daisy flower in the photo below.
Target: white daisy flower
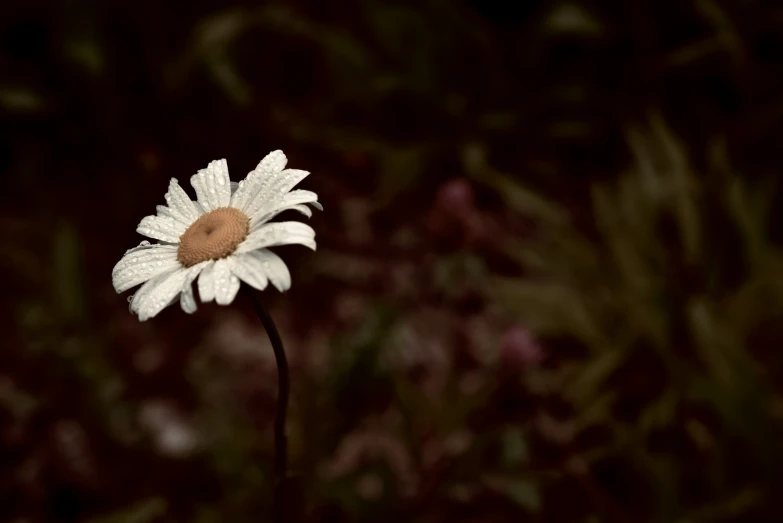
{"x": 220, "y": 239}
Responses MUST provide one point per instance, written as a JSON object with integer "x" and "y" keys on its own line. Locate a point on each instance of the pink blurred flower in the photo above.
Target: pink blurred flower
{"x": 456, "y": 196}
{"x": 455, "y": 211}
{"x": 520, "y": 348}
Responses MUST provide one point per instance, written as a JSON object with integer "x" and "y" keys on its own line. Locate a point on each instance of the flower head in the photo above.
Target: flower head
{"x": 220, "y": 239}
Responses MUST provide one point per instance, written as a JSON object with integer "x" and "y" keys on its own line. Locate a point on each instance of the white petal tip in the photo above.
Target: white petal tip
{"x": 273, "y": 162}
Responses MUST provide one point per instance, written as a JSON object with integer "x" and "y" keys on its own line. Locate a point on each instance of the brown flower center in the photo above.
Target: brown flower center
{"x": 213, "y": 236}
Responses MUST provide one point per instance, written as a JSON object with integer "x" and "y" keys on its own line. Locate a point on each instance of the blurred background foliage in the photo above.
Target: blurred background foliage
{"x": 549, "y": 283}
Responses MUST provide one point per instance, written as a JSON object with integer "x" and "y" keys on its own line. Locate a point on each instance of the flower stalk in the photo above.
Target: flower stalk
{"x": 281, "y": 443}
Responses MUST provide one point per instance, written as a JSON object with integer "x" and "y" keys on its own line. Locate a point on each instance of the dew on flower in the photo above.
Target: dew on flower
{"x": 212, "y": 229}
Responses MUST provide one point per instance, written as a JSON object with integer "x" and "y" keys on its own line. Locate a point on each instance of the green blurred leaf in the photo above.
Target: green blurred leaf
{"x": 551, "y": 308}
{"x": 659, "y": 413}
{"x": 142, "y": 512}
{"x": 718, "y": 347}
{"x": 623, "y": 244}
{"x": 515, "y": 447}
{"x": 17, "y": 401}
{"x": 406, "y": 36}
{"x": 574, "y": 18}
{"x": 589, "y": 381}
{"x": 750, "y": 209}
{"x": 68, "y": 284}
{"x": 732, "y": 507}
{"x": 453, "y": 272}
{"x": 596, "y": 410}
{"x": 518, "y": 197}
{"x": 20, "y": 99}
{"x": 525, "y": 494}
{"x": 399, "y": 170}
{"x": 683, "y": 186}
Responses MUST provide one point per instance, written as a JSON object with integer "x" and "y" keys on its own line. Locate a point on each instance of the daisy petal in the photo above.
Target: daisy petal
{"x": 280, "y": 233}
{"x": 304, "y": 209}
{"x": 161, "y": 228}
{"x": 250, "y": 270}
{"x": 258, "y": 179}
{"x": 212, "y": 185}
{"x": 206, "y": 284}
{"x": 301, "y": 196}
{"x": 165, "y": 212}
{"x": 217, "y": 177}
{"x": 273, "y": 162}
{"x": 138, "y": 266}
{"x": 275, "y": 268}
{"x": 199, "y": 183}
{"x": 273, "y": 192}
{"x": 187, "y": 301}
{"x": 166, "y": 287}
{"x": 289, "y": 179}
{"x": 146, "y": 289}
{"x": 180, "y": 204}
{"x": 226, "y": 284}
{"x": 291, "y": 200}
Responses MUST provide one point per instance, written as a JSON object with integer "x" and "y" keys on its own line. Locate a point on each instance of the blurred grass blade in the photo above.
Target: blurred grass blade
{"x": 142, "y": 512}
{"x": 68, "y": 283}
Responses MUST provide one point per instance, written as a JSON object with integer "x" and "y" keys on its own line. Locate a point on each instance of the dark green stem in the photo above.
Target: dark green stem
{"x": 282, "y": 405}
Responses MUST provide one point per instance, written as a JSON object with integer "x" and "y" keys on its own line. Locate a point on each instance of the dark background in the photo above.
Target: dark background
{"x": 548, "y": 285}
